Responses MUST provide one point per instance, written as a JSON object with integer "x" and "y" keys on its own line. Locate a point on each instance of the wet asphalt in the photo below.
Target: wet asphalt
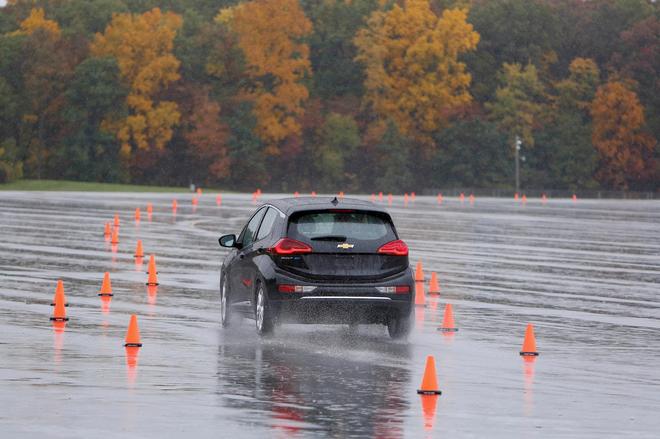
{"x": 586, "y": 274}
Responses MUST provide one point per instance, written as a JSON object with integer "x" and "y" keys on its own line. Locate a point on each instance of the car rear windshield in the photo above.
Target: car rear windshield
{"x": 340, "y": 225}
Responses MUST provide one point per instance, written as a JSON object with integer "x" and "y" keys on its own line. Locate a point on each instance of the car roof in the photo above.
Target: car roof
{"x": 296, "y": 204}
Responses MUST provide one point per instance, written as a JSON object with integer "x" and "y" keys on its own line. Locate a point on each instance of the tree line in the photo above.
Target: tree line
{"x": 370, "y": 95}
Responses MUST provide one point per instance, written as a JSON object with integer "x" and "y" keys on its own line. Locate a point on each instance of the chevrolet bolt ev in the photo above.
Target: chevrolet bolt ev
{"x": 318, "y": 260}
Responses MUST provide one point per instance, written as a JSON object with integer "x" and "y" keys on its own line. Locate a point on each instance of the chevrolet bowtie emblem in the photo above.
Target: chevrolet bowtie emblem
{"x": 345, "y": 246}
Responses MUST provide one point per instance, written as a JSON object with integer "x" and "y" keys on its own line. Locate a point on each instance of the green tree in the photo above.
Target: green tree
{"x": 338, "y": 141}
{"x": 470, "y": 155}
{"x": 94, "y": 95}
{"x": 519, "y": 102}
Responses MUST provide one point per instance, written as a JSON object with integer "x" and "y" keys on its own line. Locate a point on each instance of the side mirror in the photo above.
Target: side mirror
{"x": 227, "y": 241}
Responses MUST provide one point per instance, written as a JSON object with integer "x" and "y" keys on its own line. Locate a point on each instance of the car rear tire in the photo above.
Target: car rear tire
{"x": 399, "y": 326}
{"x": 225, "y": 304}
{"x": 263, "y": 316}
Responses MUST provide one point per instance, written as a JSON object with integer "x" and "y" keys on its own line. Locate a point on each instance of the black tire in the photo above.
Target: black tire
{"x": 263, "y": 315}
{"x": 226, "y": 314}
{"x": 399, "y": 326}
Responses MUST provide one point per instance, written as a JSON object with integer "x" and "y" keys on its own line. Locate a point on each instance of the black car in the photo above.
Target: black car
{"x": 318, "y": 260}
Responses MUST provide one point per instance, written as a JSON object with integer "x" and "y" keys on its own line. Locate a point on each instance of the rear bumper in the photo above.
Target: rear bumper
{"x": 341, "y": 303}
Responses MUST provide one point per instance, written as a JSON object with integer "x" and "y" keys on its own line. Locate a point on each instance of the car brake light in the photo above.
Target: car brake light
{"x": 398, "y": 289}
{"x": 288, "y": 246}
{"x": 285, "y": 288}
{"x": 394, "y": 248}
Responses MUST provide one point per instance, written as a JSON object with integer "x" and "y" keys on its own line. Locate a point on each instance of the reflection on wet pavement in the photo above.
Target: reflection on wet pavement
{"x": 587, "y": 274}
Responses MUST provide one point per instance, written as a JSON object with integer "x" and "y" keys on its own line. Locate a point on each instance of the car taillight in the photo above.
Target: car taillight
{"x": 398, "y": 289}
{"x": 285, "y": 288}
{"x": 394, "y": 248}
{"x": 288, "y": 246}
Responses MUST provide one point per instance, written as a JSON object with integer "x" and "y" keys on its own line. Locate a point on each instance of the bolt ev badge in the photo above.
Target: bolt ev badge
{"x": 345, "y": 246}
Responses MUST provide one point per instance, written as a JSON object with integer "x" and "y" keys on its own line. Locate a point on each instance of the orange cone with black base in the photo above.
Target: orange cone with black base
{"x": 139, "y": 253}
{"x": 59, "y": 313}
{"x": 529, "y": 344}
{"x": 153, "y": 278}
{"x": 106, "y": 286}
{"x": 434, "y": 286}
{"x": 133, "y": 334}
{"x": 448, "y": 324}
{"x": 430, "y": 381}
{"x": 115, "y": 236}
{"x": 59, "y": 294}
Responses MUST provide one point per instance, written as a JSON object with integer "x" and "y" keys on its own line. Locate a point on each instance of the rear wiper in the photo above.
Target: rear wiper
{"x": 338, "y": 238}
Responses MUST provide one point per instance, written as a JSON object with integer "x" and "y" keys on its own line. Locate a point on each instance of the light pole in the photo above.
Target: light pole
{"x": 517, "y": 147}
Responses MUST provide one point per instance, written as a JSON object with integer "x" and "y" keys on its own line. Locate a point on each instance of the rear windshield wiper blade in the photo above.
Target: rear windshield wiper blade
{"x": 338, "y": 238}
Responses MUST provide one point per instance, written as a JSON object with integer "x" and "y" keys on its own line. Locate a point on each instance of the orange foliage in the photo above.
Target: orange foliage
{"x": 414, "y": 76}
{"x": 142, "y": 45}
{"x": 37, "y": 20}
{"x": 270, "y": 33}
{"x": 618, "y": 122}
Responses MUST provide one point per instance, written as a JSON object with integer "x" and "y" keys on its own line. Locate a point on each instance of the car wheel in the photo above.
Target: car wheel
{"x": 262, "y": 312}
{"x": 225, "y": 304}
{"x": 398, "y": 326}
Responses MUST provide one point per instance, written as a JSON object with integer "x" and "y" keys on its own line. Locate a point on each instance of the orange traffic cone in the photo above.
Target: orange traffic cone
{"x": 574, "y": 198}
{"x": 405, "y": 199}
{"x": 195, "y": 201}
{"x": 430, "y": 381}
{"x": 133, "y": 334}
{"x": 471, "y": 199}
{"x": 380, "y": 197}
{"x": 524, "y": 199}
{"x": 153, "y": 278}
{"x": 115, "y": 236}
{"x": 59, "y": 294}
{"x": 139, "y": 253}
{"x": 515, "y": 196}
{"x": 174, "y": 206}
{"x": 419, "y": 272}
{"x": 412, "y": 197}
{"x": 218, "y": 200}
{"x": 434, "y": 286}
{"x": 448, "y": 322}
{"x": 529, "y": 344}
{"x": 59, "y": 313}
{"x": 150, "y": 208}
{"x": 389, "y": 199}
{"x": 199, "y": 191}
{"x": 314, "y": 194}
{"x": 295, "y": 194}
{"x": 107, "y": 232}
{"x": 440, "y": 198}
{"x": 137, "y": 214}
{"x": 106, "y": 287}
{"x": 116, "y": 221}
{"x": 462, "y": 197}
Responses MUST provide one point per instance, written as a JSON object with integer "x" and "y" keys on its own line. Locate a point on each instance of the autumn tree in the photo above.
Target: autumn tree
{"x": 414, "y": 75}
{"x": 518, "y": 105}
{"x": 207, "y": 136}
{"x": 270, "y": 34}
{"x": 625, "y": 149}
{"x": 142, "y": 45}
